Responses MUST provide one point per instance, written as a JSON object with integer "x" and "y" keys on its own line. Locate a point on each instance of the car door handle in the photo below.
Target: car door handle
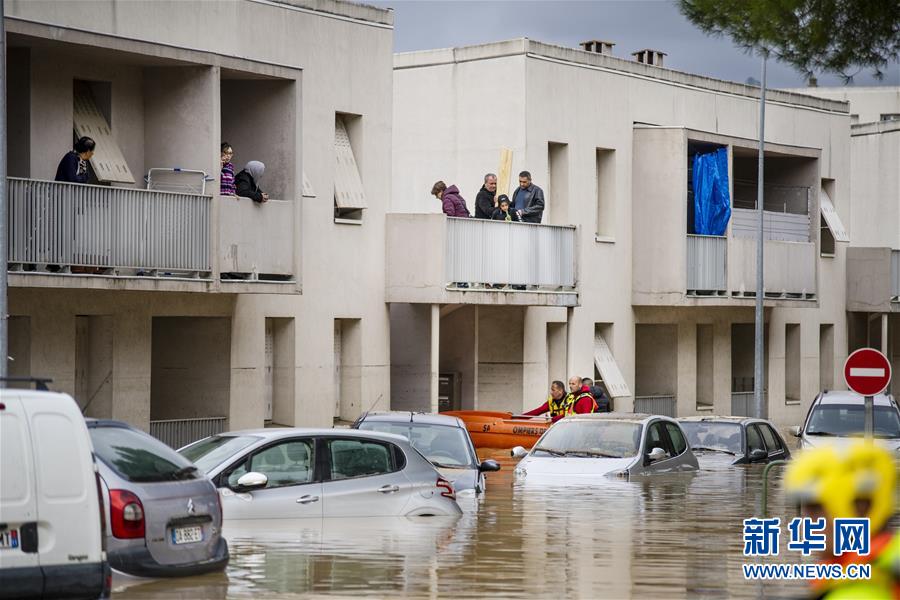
{"x": 307, "y": 499}
{"x": 389, "y": 489}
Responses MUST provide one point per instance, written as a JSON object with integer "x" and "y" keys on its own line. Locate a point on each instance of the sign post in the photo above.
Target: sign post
{"x": 867, "y": 372}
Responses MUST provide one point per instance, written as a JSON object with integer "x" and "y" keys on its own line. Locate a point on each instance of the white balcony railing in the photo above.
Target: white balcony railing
{"x": 706, "y": 268}
{"x": 180, "y": 432}
{"x": 656, "y": 405}
{"x": 495, "y": 252}
{"x": 100, "y": 227}
{"x": 789, "y": 268}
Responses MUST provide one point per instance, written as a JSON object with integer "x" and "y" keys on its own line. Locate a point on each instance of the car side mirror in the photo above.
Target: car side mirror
{"x": 251, "y": 481}
{"x": 489, "y": 465}
{"x": 758, "y": 454}
{"x": 518, "y": 452}
{"x": 657, "y": 454}
{"x": 795, "y": 431}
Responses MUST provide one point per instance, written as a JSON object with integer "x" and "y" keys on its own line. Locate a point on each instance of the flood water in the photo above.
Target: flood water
{"x": 663, "y": 537}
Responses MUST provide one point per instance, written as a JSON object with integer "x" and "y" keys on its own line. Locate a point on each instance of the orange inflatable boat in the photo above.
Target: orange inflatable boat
{"x": 501, "y": 429}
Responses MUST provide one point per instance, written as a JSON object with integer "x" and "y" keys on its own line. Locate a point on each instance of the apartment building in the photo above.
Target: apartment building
{"x": 621, "y": 284}
{"x": 161, "y": 302}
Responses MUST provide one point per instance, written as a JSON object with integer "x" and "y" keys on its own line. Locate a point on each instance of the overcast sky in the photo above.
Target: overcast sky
{"x": 631, "y": 24}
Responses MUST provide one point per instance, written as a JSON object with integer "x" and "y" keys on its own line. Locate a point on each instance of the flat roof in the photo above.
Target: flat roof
{"x": 342, "y": 8}
{"x": 605, "y": 62}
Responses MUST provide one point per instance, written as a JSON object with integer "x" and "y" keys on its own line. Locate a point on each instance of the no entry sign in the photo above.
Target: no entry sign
{"x": 867, "y": 372}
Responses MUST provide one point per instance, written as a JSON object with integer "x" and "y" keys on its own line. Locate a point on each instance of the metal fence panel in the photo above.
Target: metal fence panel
{"x": 895, "y": 273}
{"x": 70, "y": 224}
{"x": 177, "y": 433}
{"x": 742, "y": 404}
{"x": 656, "y": 405}
{"x": 706, "y": 269}
{"x": 482, "y": 251}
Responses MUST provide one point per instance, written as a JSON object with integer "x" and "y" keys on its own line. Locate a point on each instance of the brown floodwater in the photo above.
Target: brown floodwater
{"x": 662, "y": 537}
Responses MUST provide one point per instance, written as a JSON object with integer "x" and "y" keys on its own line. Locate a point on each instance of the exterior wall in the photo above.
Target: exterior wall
{"x": 159, "y": 113}
{"x": 867, "y": 104}
{"x": 875, "y": 171}
{"x": 592, "y": 102}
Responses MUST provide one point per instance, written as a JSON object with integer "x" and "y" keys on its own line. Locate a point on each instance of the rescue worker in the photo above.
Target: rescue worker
{"x": 556, "y": 404}
{"x": 580, "y": 399}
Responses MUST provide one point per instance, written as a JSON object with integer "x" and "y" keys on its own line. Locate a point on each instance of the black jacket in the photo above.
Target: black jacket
{"x": 68, "y": 169}
{"x": 498, "y": 215}
{"x": 246, "y": 187}
{"x": 603, "y": 404}
{"x": 534, "y": 203}
{"x": 484, "y": 204}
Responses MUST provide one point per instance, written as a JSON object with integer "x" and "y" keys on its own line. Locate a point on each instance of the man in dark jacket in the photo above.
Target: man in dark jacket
{"x": 484, "y": 201}
{"x": 603, "y": 404}
{"x": 528, "y": 199}
{"x": 74, "y": 165}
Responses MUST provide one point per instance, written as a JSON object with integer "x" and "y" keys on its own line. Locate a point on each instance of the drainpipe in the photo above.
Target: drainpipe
{"x": 760, "y": 290}
{"x": 4, "y": 209}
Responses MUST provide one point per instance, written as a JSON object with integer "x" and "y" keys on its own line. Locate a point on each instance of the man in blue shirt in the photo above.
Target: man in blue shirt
{"x": 528, "y": 199}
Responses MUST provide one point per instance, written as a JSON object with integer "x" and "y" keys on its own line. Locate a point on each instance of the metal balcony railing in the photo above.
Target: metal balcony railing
{"x": 495, "y": 252}
{"x": 177, "y": 433}
{"x": 656, "y": 405}
{"x": 895, "y": 275}
{"x": 706, "y": 267}
{"x": 106, "y": 228}
{"x": 786, "y": 211}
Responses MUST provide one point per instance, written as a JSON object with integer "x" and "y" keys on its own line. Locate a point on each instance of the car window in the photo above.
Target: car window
{"x": 656, "y": 438}
{"x": 359, "y": 458}
{"x": 209, "y": 453}
{"x": 677, "y": 438}
{"x": 754, "y": 441}
{"x": 289, "y": 463}
{"x": 714, "y": 435}
{"x": 849, "y": 419}
{"x": 610, "y": 439}
{"x": 770, "y": 438}
{"x": 443, "y": 445}
{"x": 137, "y": 457}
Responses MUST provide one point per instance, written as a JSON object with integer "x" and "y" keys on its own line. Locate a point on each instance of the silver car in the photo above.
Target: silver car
{"x": 163, "y": 516}
{"x": 441, "y": 439}
{"x": 620, "y": 445}
{"x": 838, "y": 418}
{"x": 288, "y": 473}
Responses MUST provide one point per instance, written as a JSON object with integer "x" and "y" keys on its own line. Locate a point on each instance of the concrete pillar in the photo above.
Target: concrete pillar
{"x": 248, "y": 353}
{"x": 434, "y": 356}
{"x": 132, "y": 351}
{"x": 721, "y": 368}
{"x": 884, "y": 334}
{"x": 570, "y": 341}
{"x": 686, "y": 369}
{"x": 537, "y": 357}
{"x": 411, "y": 351}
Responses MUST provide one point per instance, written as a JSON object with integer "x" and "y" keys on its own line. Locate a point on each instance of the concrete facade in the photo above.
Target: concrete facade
{"x": 577, "y": 121}
{"x": 268, "y": 77}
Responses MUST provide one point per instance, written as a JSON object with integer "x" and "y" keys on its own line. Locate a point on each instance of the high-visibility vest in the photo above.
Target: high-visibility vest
{"x": 559, "y": 407}
{"x": 571, "y": 400}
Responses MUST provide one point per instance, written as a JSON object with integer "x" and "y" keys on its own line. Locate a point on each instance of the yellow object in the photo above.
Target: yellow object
{"x": 872, "y": 476}
{"x": 559, "y": 407}
{"x": 504, "y": 172}
{"x": 816, "y": 476}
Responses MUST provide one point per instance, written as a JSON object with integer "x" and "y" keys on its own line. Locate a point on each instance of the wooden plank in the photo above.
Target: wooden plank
{"x": 504, "y": 172}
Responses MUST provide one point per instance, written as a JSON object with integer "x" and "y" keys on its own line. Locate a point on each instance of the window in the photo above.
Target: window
{"x": 288, "y": 463}
{"x": 770, "y": 439}
{"x": 442, "y": 445}
{"x": 826, "y": 356}
{"x": 678, "y": 443}
{"x": 359, "y": 458}
{"x": 556, "y": 209}
{"x": 349, "y": 195}
{"x": 656, "y": 437}
{"x": 605, "y": 363}
{"x": 606, "y": 194}
{"x": 108, "y": 162}
{"x": 754, "y": 441}
{"x": 831, "y": 227}
{"x": 210, "y": 452}
{"x": 705, "y": 364}
{"x": 792, "y": 364}
{"x": 890, "y": 116}
{"x": 138, "y": 457}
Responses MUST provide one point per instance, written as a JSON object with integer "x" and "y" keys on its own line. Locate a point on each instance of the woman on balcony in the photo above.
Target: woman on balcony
{"x": 73, "y": 167}
{"x": 226, "y": 179}
{"x": 247, "y": 182}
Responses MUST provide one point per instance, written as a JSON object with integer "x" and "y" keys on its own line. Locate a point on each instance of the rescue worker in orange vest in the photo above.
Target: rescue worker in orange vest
{"x": 555, "y": 405}
{"x": 580, "y": 401}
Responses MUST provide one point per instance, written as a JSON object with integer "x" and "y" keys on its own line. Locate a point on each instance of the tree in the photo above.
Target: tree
{"x": 810, "y": 35}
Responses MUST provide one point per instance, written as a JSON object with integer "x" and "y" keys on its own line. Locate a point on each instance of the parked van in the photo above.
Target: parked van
{"x": 51, "y": 522}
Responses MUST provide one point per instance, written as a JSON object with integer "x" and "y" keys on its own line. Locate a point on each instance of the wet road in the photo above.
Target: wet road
{"x": 664, "y": 537}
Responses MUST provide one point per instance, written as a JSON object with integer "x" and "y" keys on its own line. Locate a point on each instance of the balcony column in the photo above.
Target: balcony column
{"x": 131, "y": 372}
{"x": 246, "y": 396}
{"x": 435, "y": 355}
{"x": 884, "y": 334}
{"x": 570, "y": 342}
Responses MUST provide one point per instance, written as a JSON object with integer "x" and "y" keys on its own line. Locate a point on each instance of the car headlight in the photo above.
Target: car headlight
{"x": 621, "y": 474}
{"x": 520, "y": 472}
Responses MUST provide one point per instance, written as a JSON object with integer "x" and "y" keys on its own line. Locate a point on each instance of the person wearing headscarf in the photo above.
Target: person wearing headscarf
{"x": 247, "y": 182}
{"x": 73, "y": 167}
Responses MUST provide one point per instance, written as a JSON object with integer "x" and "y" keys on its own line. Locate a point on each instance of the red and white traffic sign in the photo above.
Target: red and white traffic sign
{"x": 867, "y": 372}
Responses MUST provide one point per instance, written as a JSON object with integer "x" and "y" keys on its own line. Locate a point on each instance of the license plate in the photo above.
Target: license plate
{"x": 9, "y": 538}
{"x": 187, "y": 535}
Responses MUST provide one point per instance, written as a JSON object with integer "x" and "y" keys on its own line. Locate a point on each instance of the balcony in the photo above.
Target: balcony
{"x": 430, "y": 255}
{"x": 873, "y": 279}
{"x": 72, "y": 235}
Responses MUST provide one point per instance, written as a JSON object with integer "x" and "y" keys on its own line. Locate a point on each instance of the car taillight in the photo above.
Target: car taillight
{"x": 447, "y": 488}
{"x": 126, "y": 514}
{"x": 103, "y": 531}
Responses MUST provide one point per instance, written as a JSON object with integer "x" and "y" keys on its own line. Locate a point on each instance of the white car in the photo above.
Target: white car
{"x": 620, "y": 445}
{"x": 838, "y": 418}
{"x": 51, "y": 515}
{"x": 314, "y": 473}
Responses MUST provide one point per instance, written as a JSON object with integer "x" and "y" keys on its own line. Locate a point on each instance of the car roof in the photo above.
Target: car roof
{"x": 847, "y": 397}
{"x": 91, "y": 422}
{"x": 737, "y": 420}
{"x": 405, "y": 416}
{"x": 276, "y": 433}
{"x": 617, "y": 416}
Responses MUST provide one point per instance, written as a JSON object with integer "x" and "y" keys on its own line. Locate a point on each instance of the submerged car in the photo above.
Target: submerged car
{"x": 441, "y": 439}
{"x": 612, "y": 444}
{"x": 283, "y": 473}
{"x": 838, "y": 418}
{"x": 164, "y": 516}
{"x": 748, "y": 440}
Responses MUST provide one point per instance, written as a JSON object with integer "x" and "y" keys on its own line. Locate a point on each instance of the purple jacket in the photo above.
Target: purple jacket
{"x": 453, "y": 204}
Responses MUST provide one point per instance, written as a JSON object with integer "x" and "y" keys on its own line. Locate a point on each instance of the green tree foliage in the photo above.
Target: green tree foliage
{"x": 811, "y": 35}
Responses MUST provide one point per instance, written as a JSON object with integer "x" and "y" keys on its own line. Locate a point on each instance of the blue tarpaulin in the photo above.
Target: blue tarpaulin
{"x": 712, "y": 203}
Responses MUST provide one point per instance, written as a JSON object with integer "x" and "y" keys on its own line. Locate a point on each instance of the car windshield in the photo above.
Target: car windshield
{"x": 209, "y": 453}
{"x": 443, "y": 445}
{"x": 138, "y": 457}
{"x": 713, "y": 436}
{"x": 611, "y": 439}
{"x": 849, "y": 419}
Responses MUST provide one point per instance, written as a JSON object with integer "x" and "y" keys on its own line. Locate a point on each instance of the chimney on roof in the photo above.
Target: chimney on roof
{"x": 597, "y": 46}
{"x": 813, "y": 82}
{"x": 649, "y": 57}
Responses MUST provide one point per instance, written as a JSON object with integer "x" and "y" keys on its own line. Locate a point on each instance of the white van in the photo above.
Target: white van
{"x": 51, "y": 521}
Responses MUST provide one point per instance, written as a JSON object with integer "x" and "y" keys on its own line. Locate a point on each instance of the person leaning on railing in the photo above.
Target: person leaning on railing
{"x": 73, "y": 167}
{"x": 247, "y": 182}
